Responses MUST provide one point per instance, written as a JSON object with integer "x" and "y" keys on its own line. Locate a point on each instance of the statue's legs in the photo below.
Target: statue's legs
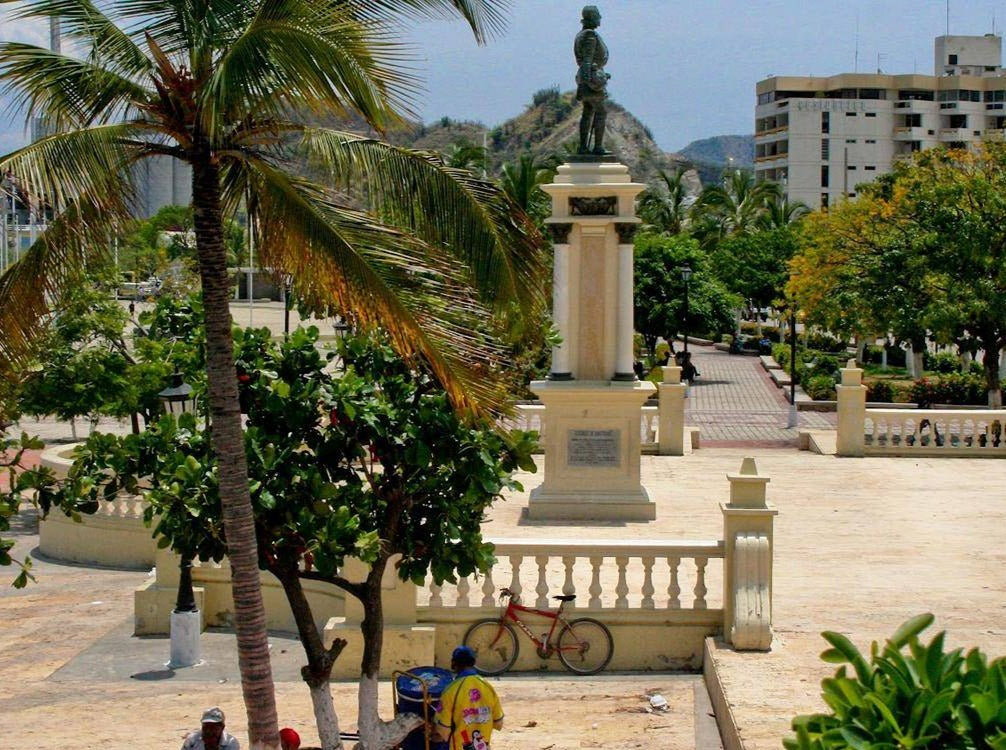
{"x": 586, "y": 120}
{"x": 600, "y": 118}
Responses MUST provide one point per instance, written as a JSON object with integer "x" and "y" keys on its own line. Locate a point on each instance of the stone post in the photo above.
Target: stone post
{"x": 671, "y": 415}
{"x": 748, "y": 521}
{"x": 851, "y": 411}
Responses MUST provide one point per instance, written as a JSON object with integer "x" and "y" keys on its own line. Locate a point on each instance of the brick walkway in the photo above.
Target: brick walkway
{"x": 735, "y": 403}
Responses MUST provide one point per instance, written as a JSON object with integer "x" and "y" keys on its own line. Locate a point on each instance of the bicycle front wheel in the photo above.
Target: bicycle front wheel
{"x": 585, "y": 646}
{"x": 494, "y": 644}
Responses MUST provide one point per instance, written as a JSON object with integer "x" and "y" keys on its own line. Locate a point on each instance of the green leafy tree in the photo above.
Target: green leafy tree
{"x": 466, "y": 155}
{"x": 755, "y": 266}
{"x": 223, "y": 86}
{"x": 522, "y": 181}
{"x": 659, "y": 298}
{"x": 780, "y": 212}
{"x": 372, "y": 464}
{"x": 907, "y": 694}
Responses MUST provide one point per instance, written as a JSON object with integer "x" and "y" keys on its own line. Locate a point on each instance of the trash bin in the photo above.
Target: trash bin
{"x": 418, "y": 692}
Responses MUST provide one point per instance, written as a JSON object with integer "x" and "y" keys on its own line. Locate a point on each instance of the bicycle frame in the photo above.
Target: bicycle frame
{"x": 544, "y": 648}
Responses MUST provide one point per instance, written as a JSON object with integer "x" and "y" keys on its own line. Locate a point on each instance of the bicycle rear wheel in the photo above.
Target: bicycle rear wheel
{"x": 494, "y": 644}
{"x": 585, "y": 646}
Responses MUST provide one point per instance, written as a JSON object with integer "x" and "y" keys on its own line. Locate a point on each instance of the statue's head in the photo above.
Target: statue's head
{"x": 591, "y": 16}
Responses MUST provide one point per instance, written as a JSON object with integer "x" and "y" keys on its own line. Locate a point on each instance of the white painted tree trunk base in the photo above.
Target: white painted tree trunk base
{"x": 374, "y": 733}
{"x": 325, "y": 717}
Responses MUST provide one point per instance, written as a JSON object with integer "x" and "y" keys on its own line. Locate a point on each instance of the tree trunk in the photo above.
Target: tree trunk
{"x": 318, "y": 672}
{"x": 374, "y": 733}
{"x": 991, "y": 365}
{"x": 228, "y": 445}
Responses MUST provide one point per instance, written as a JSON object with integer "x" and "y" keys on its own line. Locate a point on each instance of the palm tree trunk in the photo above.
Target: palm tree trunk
{"x": 228, "y": 445}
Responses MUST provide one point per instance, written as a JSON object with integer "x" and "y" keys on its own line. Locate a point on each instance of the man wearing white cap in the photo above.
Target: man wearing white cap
{"x": 212, "y": 736}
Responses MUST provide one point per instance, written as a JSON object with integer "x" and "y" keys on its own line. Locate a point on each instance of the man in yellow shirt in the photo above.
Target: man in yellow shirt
{"x": 469, "y": 708}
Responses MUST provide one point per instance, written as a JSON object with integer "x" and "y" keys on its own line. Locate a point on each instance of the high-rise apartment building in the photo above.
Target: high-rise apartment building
{"x": 820, "y": 137}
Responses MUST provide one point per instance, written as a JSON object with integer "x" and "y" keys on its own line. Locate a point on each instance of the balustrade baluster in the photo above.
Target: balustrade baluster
{"x": 463, "y": 588}
{"x": 542, "y": 587}
{"x": 515, "y": 561}
{"x": 488, "y": 590}
{"x": 568, "y": 587}
{"x": 917, "y": 433}
{"x": 674, "y": 588}
{"x": 595, "y": 582}
{"x": 700, "y": 582}
{"x": 622, "y": 587}
{"x": 647, "y": 583}
{"x": 436, "y": 600}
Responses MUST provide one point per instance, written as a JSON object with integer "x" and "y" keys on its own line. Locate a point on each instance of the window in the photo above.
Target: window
{"x": 851, "y": 167}
{"x": 765, "y": 98}
{"x": 913, "y": 121}
{"x": 871, "y": 114}
{"x": 850, "y": 140}
{"x": 958, "y": 121}
{"x": 850, "y": 114}
{"x": 825, "y": 149}
{"x": 951, "y": 59}
{"x": 825, "y": 122}
{"x": 824, "y": 176}
{"x": 870, "y": 168}
{"x": 871, "y": 140}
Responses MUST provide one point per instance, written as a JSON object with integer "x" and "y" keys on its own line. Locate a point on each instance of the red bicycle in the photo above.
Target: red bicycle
{"x": 583, "y": 645}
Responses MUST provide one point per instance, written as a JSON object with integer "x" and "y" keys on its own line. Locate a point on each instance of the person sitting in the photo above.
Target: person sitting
{"x": 212, "y": 735}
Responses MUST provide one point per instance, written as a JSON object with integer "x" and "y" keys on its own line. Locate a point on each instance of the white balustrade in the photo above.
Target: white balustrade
{"x": 942, "y": 432}
{"x": 604, "y": 575}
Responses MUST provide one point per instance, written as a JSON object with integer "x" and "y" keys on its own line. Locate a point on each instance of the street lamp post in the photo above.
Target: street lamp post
{"x": 793, "y": 417}
{"x": 186, "y": 621}
{"x": 686, "y": 276}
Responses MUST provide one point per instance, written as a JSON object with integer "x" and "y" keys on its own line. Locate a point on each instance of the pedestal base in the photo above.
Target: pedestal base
{"x": 592, "y": 451}
{"x": 590, "y": 506}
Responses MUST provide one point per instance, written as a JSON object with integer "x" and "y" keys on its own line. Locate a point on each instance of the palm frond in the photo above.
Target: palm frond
{"x": 82, "y": 21}
{"x": 62, "y": 91}
{"x": 94, "y": 161}
{"x": 417, "y": 293}
{"x": 486, "y": 18}
{"x": 297, "y": 55}
{"x": 472, "y": 218}
{"x": 51, "y": 265}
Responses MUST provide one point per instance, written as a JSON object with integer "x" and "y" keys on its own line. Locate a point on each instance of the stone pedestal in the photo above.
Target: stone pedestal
{"x": 851, "y": 397}
{"x": 671, "y": 425}
{"x": 592, "y": 450}
{"x": 592, "y": 399}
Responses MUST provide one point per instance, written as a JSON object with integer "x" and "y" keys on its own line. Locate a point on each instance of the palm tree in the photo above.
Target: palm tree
{"x": 227, "y": 87}
{"x": 734, "y": 207}
{"x": 522, "y": 182}
{"x": 779, "y": 212}
{"x": 665, "y": 207}
{"x": 466, "y": 155}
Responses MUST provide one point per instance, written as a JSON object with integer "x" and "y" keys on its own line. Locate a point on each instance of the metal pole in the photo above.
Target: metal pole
{"x": 793, "y": 418}
{"x": 686, "y": 319}
{"x": 251, "y": 272}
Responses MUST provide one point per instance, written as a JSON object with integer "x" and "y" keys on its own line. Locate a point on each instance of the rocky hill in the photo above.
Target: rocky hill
{"x": 548, "y": 127}
{"x": 712, "y": 155}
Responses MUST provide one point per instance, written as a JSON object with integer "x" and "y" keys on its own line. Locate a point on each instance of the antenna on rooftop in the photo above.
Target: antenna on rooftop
{"x": 855, "y": 62}
{"x": 880, "y": 56}
{"x": 948, "y": 17}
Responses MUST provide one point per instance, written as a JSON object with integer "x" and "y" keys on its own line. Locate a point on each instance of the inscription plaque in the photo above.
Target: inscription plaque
{"x": 593, "y": 448}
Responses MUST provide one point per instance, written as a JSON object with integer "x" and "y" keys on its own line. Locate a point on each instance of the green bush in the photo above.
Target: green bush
{"x": 825, "y": 342}
{"x": 925, "y": 698}
{"x": 895, "y": 356}
{"x": 957, "y": 388}
{"x": 781, "y": 354}
{"x": 881, "y": 392}
{"x": 942, "y": 362}
{"x": 819, "y": 387}
{"x": 769, "y": 332}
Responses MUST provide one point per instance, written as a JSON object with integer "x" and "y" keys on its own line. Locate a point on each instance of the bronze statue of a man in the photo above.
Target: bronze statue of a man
{"x": 591, "y": 81}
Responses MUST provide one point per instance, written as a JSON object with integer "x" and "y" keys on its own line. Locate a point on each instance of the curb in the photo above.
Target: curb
{"x": 721, "y": 707}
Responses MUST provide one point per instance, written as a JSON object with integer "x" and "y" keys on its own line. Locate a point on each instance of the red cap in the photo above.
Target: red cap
{"x": 289, "y": 738}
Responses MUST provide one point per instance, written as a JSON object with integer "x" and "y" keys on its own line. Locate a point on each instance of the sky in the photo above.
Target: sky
{"x": 686, "y": 69}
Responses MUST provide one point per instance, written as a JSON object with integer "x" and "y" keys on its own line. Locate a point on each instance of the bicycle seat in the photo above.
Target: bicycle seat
{"x": 565, "y": 597}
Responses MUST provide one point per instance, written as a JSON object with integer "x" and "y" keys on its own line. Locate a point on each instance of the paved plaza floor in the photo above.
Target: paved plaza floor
{"x": 861, "y": 545}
